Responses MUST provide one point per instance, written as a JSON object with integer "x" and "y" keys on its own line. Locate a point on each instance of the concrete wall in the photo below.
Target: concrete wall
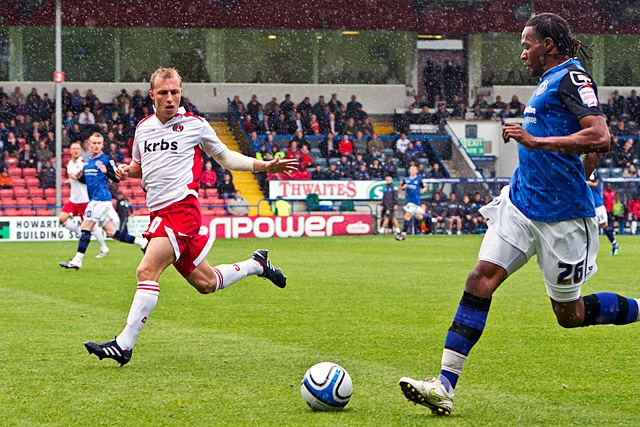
{"x": 491, "y": 131}
{"x": 212, "y": 97}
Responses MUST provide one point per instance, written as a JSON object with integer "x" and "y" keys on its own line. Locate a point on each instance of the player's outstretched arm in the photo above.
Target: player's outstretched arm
{"x": 277, "y": 165}
{"x": 239, "y": 162}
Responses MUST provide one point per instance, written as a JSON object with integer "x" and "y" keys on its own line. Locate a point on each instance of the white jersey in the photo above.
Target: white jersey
{"x": 170, "y": 156}
{"x": 78, "y": 189}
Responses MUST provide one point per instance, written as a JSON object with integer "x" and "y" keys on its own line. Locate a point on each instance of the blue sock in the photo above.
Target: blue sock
{"x": 124, "y": 237}
{"x": 83, "y": 243}
{"x": 609, "y": 233}
{"x": 607, "y": 308}
{"x": 463, "y": 334}
{"x": 405, "y": 227}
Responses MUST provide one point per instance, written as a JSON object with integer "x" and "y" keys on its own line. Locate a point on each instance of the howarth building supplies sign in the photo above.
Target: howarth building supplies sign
{"x": 33, "y": 229}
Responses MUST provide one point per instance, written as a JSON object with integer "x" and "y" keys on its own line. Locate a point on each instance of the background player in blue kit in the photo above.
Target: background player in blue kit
{"x": 547, "y": 210}
{"x": 413, "y": 187}
{"x": 601, "y": 213}
{"x": 95, "y": 174}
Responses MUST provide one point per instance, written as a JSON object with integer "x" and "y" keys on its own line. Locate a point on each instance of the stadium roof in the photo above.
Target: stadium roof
{"x": 422, "y": 16}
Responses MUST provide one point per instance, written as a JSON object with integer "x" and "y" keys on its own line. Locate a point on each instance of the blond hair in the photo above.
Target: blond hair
{"x": 163, "y": 74}
{"x": 97, "y": 135}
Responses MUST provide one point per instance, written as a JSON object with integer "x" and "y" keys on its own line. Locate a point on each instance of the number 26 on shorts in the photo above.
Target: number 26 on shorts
{"x": 569, "y": 270}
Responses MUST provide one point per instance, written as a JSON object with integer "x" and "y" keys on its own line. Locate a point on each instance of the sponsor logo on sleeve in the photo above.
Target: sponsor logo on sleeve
{"x": 588, "y": 96}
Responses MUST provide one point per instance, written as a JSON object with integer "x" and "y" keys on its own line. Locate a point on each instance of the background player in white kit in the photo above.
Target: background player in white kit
{"x": 167, "y": 156}
{"x": 96, "y": 171}
{"x": 78, "y": 199}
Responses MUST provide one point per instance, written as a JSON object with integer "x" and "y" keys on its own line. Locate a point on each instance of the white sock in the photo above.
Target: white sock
{"x": 78, "y": 258}
{"x": 144, "y": 301}
{"x": 634, "y": 227}
{"x": 380, "y": 230}
{"x": 71, "y": 226}
{"x": 141, "y": 241}
{"x": 398, "y": 230}
{"x": 226, "y": 274}
{"x": 99, "y": 235}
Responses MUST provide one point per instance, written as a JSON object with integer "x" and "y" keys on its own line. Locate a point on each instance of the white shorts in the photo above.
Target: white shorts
{"x": 601, "y": 215}
{"x": 413, "y": 209}
{"x": 101, "y": 212}
{"x": 566, "y": 250}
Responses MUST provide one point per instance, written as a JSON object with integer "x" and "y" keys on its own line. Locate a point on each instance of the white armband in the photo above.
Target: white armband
{"x": 234, "y": 161}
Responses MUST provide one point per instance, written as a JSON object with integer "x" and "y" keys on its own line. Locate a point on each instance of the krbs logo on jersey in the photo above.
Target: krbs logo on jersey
{"x": 178, "y": 128}
{"x": 150, "y": 147}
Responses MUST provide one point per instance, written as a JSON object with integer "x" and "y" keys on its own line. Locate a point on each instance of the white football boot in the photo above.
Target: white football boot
{"x": 430, "y": 393}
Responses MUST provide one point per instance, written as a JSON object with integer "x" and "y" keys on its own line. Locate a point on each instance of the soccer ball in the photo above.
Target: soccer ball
{"x": 326, "y": 387}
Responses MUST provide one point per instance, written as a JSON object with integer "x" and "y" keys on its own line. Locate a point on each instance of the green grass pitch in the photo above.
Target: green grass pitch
{"x": 378, "y": 307}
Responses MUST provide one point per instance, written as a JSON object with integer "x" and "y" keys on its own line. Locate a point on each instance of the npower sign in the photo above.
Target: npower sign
{"x": 289, "y": 226}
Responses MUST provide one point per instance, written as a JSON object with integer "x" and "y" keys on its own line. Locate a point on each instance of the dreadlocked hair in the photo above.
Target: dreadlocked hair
{"x": 553, "y": 26}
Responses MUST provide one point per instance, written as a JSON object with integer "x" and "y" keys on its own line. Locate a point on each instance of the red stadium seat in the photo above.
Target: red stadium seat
{"x": 140, "y": 201}
{"x": 141, "y": 212}
{"x": 29, "y": 172}
{"x": 12, "y": 212}
{"x": 26, "y": 212}
{"x": 21, "y": 192}
{"x": 50, "y": 201}
{"x": 32, "y": 182}
{"x": 220, "y": 212}
{"x": 23, "y": 201}
{"x": 211, "y": 193}
{"x": 49, "y": 192}
{"x": 44, "y": 212}
{"x": 18, "y": 182}
{"x": 11, "y": 161}
{"x": 14, "y": 172}
{"x": 66, "y": 151}
{"x": 6, "y": 193}
{"x": 8, "y": 201}
{"x": 34, "y": 192}
{"x": 38, "y": 200}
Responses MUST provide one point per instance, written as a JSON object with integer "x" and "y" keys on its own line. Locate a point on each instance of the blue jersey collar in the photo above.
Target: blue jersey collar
{"x": 561, "y": 66}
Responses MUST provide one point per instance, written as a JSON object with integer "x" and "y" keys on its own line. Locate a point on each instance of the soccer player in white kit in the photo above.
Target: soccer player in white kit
{"x": 167, "y": 156}
{"x": 78, "y": 199}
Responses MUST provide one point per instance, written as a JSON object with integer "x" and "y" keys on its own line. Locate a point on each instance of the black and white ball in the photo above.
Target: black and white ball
{"x": 326, "y": 387}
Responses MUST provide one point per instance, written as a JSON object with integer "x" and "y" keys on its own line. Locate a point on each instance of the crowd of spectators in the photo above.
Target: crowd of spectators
{"x": 623, "y": 118}
{"x": 323, "y": 118}
{"x": 346, "y": 146}
{"x": 27, "y": 133}
{"x": 431, "y": 110}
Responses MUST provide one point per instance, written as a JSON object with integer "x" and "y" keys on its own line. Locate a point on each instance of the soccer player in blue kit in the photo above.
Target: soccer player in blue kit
{"x": 601, "y": 213}
{"x": 547, "y": 210}
{"x": 413, "y": 187}
{"x": 95, "y": 173}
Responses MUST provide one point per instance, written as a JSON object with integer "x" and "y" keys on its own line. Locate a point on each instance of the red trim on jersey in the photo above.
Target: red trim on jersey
{"x": 197, "y": 169}
{"x": 140, "y": 122}
{"x": 193, "y": 115}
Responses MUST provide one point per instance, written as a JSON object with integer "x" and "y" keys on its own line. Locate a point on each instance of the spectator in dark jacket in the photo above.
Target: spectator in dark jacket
{"x": 47, "y": 176}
